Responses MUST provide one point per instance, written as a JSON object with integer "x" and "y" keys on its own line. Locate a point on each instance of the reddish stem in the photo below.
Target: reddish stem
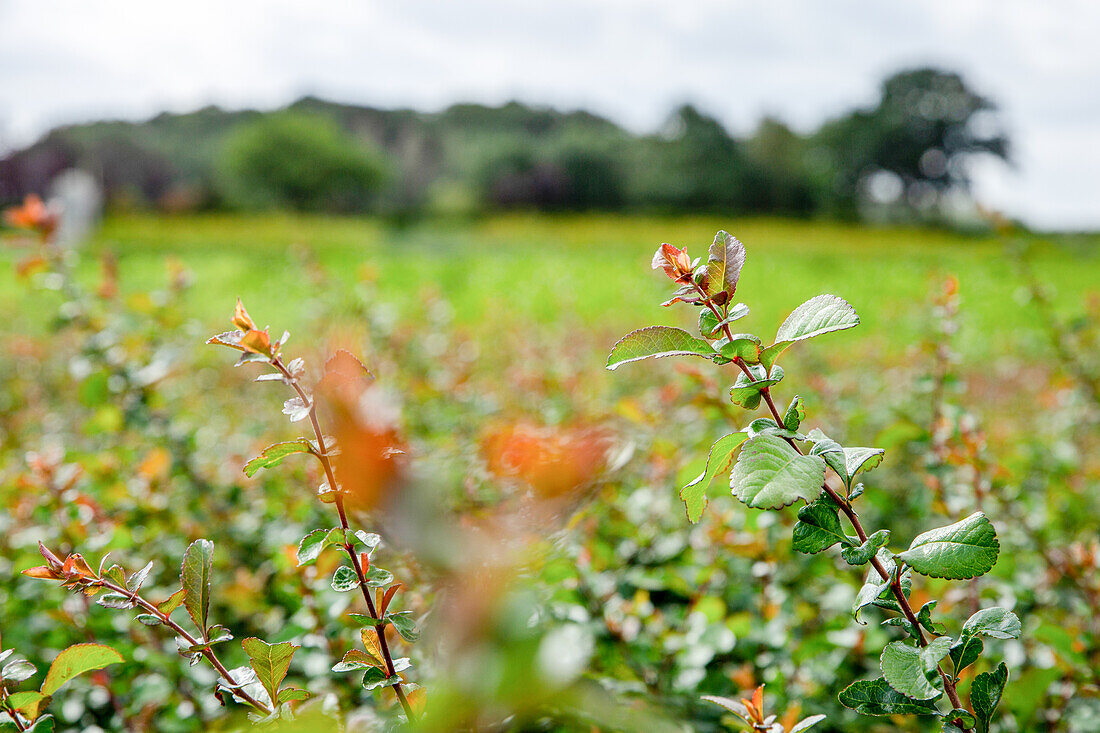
{"x": 330, "y": 476}
{"x": 895, "y": 582}
{"x": 850, "y": 513}
{"x": 206, "y": 652}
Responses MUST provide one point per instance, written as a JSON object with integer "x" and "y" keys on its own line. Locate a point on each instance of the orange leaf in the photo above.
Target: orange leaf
{"x": 241, "y": 319}
{"x": 370, "y": 643}
{"x": 418, "y": 699}
{"x": 758, "y": 700}
{"x": 41, "y": 572}
{"x": 258, "y": 342}
{"x": 387, "y": 598}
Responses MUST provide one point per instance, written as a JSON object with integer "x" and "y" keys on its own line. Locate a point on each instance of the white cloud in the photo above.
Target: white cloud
{"x": 64, "y": 61}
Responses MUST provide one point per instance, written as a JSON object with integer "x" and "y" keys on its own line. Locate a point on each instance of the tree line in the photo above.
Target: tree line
{"x": 904, "y": 156}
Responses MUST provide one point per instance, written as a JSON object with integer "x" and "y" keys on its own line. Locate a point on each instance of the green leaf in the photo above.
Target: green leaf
{"x": 958, "y": 551}
{"x": 375, "y": 678}
{"x": 364, "y": 620}
{"x": 818, "y": 315}
{"x": 845, "y": 462}
{"x": 860, "y": 459}
{"x": 218, "y": 634}
{"x": 708, "y": 323}
{"x": 198, "y": 564}
{"x": 719, "y": 461}
{"x": 734, "y": 706}
{"x": 985, "y": 695}
{"x": 148, "y": 619}
{"x": 364, "y": 540}
{"x": 806, "y": 723}
{"x": 962, "y": 716}
{"x": 711, "y": 327}
{"x": 903, "y": 623}
{"x": 377, "y": 577}
{"x": 911, "y": 670}
{"x": 30, "y": 704}
{"x": 744, "y": 346}
{"x": 18, "y": 671}
{"x": 138, "y": 579}
{"x": 357, "y": 659}
{"x": 876, "y": 697}
{"x": 965, "y": 652}
{"x": 76, "y": 660}
{"x": 344, "y": 579}
{"x": 45, "y": 724}
{"x": 271, "y": 662}
{"x": 996, "y": 622}
{"x": 795, "y": 414}
{"x": 274, "y": 454}
{"x": 824, "y": 445}
{"x": 818, "y": 528}
{"x": 770, "y": 474}
{"x": 874, "y": 587}
{"x": 314, "y": 543}
{"x": 290, "y": 694}
{"x": 924, "y": 616}
{"x": 724, "y": 262}
{"x": 657, "y": 342}
{"x": 171, "y": 603}
{"x": 767, "y": 426}
{"x": 862, "y": 555}
{"x": 117, "y": 575}
{"x": 403, "y": 623}
{"x": 115, "y": 600}
{"x": 746, "y": 390}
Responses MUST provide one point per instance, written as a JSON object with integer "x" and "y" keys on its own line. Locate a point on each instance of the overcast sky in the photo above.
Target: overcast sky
{"x": 73, "y": 60}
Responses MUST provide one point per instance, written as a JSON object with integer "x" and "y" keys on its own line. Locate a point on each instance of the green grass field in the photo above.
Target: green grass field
{"x": 509, "y": 272}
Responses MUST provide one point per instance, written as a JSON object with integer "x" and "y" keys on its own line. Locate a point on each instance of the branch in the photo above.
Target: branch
{"x": 326, "y": 464}
{"x": 206, "y": 652}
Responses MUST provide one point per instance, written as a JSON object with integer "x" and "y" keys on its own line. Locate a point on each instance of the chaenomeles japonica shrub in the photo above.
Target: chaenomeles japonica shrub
{"x": 357, "y": 476}
{"x": 259, "y": 686}
{"x": 780, "y": 463}
{"x": 371, "y": 466}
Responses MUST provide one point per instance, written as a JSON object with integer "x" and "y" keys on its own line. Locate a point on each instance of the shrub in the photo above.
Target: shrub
{"x": 779, "y": 465}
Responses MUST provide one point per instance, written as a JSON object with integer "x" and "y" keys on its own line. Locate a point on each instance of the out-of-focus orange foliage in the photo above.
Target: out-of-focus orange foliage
{"x": 31, "y": 265}
{"x": 155, "y": 464}
{"x": 365, "y": 420}
{"x": 108, "y": 285}
{"x": 552, "y": 461}
{"x": 33, "y": 214}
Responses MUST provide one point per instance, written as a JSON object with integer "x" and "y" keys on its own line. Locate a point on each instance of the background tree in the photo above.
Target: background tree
{"x": 300, "y": 161}
{"x": 920, "y": 134}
